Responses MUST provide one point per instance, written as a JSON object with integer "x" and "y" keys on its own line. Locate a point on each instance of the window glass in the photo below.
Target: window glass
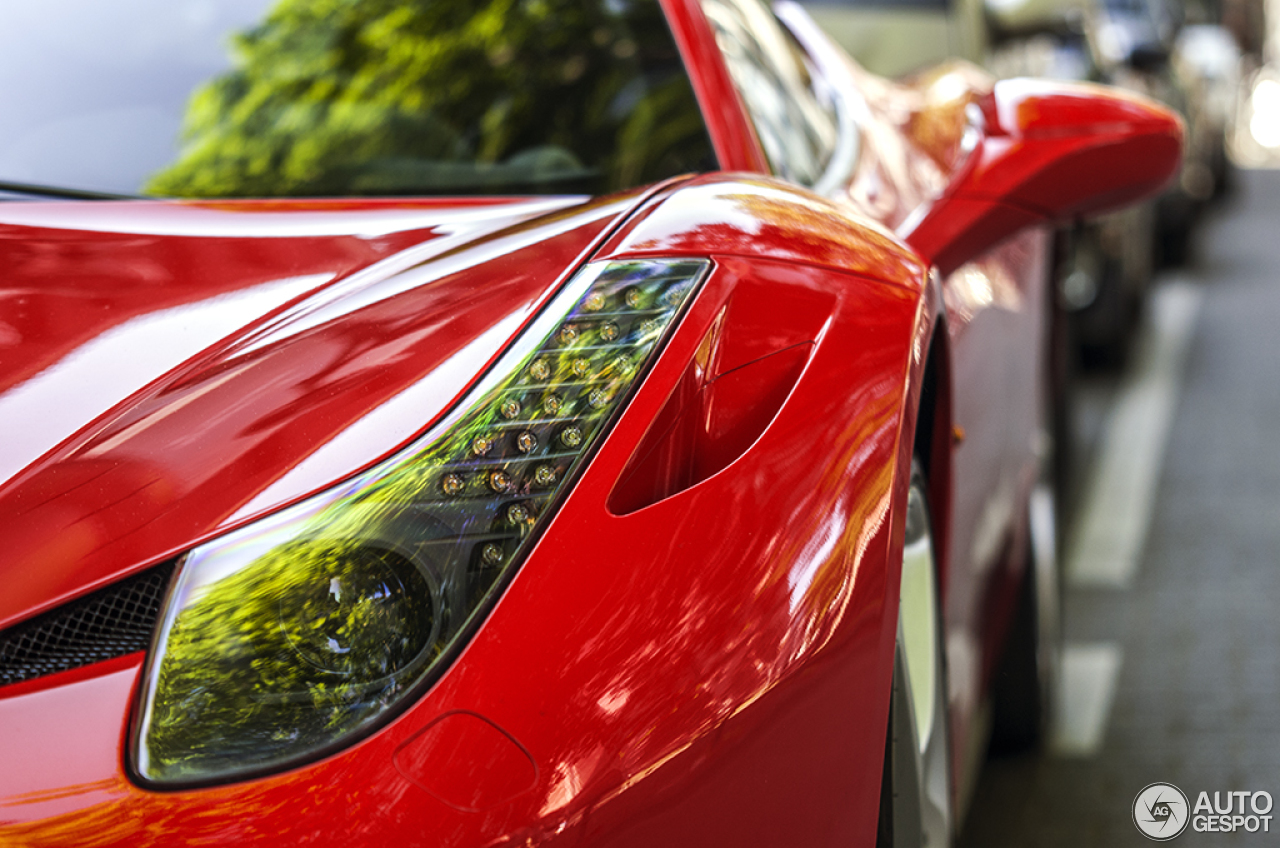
{"x": 791, "y": 107}
{"x": 263, "y": 98}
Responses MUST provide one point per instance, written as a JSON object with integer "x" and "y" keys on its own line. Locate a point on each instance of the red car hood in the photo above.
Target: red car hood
{"x": 169, "y": 370}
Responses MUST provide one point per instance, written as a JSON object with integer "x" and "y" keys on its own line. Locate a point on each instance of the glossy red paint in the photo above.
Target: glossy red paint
{"x": 67, "y": 757}
{"x": 732, "y": 135}
{"x": 765, "y": 218}
{"x": 698, "y": 650}
{"x": 995, "y": 334}
{"x": 292, "y": 356}
{"x": 818, "y": 609}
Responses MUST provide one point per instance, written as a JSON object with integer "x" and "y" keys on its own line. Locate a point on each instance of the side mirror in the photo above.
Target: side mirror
{"x": 1046, "y": 152}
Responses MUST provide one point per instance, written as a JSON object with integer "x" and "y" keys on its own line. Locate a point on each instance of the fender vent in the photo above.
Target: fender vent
{"x": 109, "y": 623}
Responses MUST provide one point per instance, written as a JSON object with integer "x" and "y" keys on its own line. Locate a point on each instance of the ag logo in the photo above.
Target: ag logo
{"x": 1160, "y": 811}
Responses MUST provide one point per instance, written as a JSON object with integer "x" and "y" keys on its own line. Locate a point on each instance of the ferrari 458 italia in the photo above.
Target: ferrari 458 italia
{"x": 521, "y": 422}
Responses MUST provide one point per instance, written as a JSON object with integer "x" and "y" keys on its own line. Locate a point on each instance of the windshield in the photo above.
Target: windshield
{"x": 295, "y": 98}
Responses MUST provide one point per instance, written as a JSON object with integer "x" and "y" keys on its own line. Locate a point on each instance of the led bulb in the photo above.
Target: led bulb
{"x": 453, "y": 485}
{"x": 571, "y": 437}
{"x": 674, "y": 296}
{"x": 500, "y": 481}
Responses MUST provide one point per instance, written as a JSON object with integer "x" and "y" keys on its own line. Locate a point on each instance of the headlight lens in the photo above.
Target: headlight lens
{"x": 283, "y": 640}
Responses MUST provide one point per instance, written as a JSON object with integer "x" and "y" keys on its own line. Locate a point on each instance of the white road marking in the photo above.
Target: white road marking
{"x": 1085, "y": 692}
{"x": 1120, "y": 493}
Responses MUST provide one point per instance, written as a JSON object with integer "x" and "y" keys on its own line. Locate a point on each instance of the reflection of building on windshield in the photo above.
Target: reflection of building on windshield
{"x": 793, "y": 115}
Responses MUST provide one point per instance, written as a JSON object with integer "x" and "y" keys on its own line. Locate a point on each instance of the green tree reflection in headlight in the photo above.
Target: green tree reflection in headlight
{"x": 316, "y": 636}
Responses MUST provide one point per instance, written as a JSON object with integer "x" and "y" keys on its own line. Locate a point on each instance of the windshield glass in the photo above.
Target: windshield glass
{"x": 296, "y": 98}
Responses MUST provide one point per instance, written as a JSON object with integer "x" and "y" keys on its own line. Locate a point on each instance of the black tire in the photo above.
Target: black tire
{"x": 1105, "y": 327}
{"x": 1026, "y": 681}
{"x": 915, "y": 793}
{"x": 1176, "y": 224}
{"x": 1060, "y": 384}
{"x": 1225, "y": 178}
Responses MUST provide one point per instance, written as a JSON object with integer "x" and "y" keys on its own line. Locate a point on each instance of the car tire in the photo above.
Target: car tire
{"x": 1106, "y": 325}
{"x": 915, "y": 794}
{"x": 1103, "y": 293}
{"x": 1027, "y": 679}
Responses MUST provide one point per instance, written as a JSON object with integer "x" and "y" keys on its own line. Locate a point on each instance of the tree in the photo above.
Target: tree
{"x": 338, "y": 97}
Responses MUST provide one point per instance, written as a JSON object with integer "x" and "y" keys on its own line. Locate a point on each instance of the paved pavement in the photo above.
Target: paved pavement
{"x": 1196, "y": 627}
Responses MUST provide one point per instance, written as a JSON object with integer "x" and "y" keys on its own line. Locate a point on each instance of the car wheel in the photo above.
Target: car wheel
{"x": 1103, "y": 292}
{"x": 1106, "y": 326}
{"x": 915, "y": 805}
{"x": 1026, "y": 682}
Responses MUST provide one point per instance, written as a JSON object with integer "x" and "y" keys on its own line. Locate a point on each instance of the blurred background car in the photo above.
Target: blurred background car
{"x": 1103, "y": 267}
{"x": 1206, "y": 59}
{"x": 1180, "y": 55}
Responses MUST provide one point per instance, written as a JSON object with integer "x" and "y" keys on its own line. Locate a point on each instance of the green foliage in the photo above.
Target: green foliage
{"x": 337, "y": 97}
{"x": 289, "y": 654}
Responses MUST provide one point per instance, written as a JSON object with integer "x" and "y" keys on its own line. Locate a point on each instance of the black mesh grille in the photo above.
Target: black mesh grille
{"x": 111, "y": 622}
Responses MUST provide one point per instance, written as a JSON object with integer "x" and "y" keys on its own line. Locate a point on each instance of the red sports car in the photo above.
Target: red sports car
{"x": 523, "y": 422}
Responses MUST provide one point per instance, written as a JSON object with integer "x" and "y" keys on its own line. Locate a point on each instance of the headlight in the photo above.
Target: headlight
{"x": 285, "y": 639}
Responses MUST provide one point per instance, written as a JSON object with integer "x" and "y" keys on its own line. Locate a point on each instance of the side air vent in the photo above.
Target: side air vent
{"x": 109, "y": 623}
